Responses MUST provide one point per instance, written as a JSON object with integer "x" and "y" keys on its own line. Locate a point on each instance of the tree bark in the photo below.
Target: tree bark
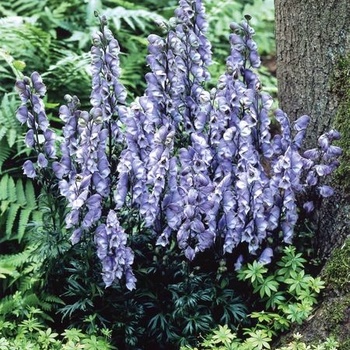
{"x": 311, "y": 37}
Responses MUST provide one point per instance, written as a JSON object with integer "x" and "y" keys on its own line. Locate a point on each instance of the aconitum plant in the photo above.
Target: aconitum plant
{"x": 200, "y": 166}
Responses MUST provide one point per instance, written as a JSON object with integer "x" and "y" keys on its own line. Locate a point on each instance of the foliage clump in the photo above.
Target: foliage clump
{"x": 224, "y": 339}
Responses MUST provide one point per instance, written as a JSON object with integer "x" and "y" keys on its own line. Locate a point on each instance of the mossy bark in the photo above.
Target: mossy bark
{"x": 313, "y": 72}
{"x": 312, "y": 38}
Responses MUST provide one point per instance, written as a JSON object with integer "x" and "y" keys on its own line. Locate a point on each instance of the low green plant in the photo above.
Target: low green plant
{"x": 34, "y": 335}
{"x": 286, "y": 294}
{"x": 25, "y": 323}
{"x": 279, "y": 297}
{"x": 224, "y": 339}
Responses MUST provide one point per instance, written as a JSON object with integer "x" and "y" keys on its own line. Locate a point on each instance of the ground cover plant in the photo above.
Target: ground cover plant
{"x": 163, "y": 199}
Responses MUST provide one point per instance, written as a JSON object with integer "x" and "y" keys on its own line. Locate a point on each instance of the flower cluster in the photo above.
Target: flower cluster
{"x": 210, "y": 166}
{"x": 200, "y": 165}
{"x": 116, "y": 257}
{"x": 32, "y": 113}
{"x": 173, "y": 113}
{"x": 83, "y": 171}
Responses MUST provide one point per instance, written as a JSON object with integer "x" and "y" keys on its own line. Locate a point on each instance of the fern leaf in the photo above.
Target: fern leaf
{"x": 5, "y": 152}
{"x": 53, "y": 299}
{"x": 28, "y": 7}
{"x": 31, "y": 300}
{"x": 8, "y": 304}
{"x": 2, "y": 132}
{"x": 30, "y": 195}
{"x": 11, "y": 137}
{"x": 23, "y": 223}
{"x": 3, "y": 208}
{"x": 21, "y": 198}
{"x": 3, "y": 187}
{"x": 7, "y": 119}
{"x": 140, "y": 18}
{"x": 11, "y": 217}
{"x": 37, "y": 216}
{"x": 19, "y": 259}
{"x": 26, "y": 284}
{"x": 11, "y": 187}
{"x": 8, "y": 270}
{"x": 30, "y": 268}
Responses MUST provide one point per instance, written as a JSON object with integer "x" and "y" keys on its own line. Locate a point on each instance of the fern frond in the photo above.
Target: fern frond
{"x": 25, "y": 41}
{"x": 6, "y": 270}
{"x": 18, "y": 206}
{"x": 19, "y": 259}
{"x": 30, "y": 195}
{"x": 50, "y": 302}
{"x": 26, "y": 7}
{"x": 10, "y": 128}
{"x": 52, "y": 299}
{"x": 7, "y": 305}
{"x": 27, "y": 283}
{"x": 23, "y": 223}
{"x": 11, "y": 217}
{"x": 21, "y": 198}
{"x": 31, "y": 300}
{"x": 5, "y": 152}
{"x": 11, "y": 190}
{"x": 69, "y": 73}
{"x": 139, "y": 18}
{"x": 3, "y": 130}
{"x": 3, "y": 187}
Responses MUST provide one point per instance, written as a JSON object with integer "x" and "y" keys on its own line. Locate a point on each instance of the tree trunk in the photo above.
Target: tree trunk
{"x": 312, "y": 36}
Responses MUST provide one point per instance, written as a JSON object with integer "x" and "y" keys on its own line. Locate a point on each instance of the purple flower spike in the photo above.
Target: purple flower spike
{"x": 115, "y": 257}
